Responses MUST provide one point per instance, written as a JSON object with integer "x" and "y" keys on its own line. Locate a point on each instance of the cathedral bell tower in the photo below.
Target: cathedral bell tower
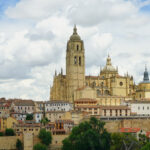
{"x": 75, "y": 64}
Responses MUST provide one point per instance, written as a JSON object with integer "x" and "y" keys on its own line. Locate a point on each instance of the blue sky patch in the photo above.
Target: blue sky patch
{"x": 146, "y": 8}
{"x": 4, "y": 4}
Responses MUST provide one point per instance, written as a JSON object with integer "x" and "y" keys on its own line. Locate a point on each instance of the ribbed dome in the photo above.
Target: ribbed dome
{"x": 109, "y": 66}
{"x": 75, "y": 36}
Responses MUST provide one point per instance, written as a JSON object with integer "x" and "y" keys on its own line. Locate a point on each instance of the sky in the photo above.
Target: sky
{"x": 34, "y": 34}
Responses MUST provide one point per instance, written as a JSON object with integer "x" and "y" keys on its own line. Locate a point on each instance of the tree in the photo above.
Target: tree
{"x": 9, "y": 132}
{"x": 143, "y": 139}
{"x": 124, "y": 141}
{"x": 88, "y": 136}
{"x": 19, "y": 145}
{"x": 44, "y": 121}
{"x": 146, "y": 147}
{"x": 39, "y": 146}
{"x": 1, "y": 133}
{"x": 29, "y": 117}
{"x": 45, "y": 137}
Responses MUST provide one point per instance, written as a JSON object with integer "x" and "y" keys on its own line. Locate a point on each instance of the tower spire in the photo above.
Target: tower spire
{"x": 145, "y": 67}
{"x": 75, "y": 29}
{"x": 146, "y": 76}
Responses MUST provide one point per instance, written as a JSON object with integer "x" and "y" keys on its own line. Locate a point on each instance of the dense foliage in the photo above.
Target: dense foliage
{"x": 124, "y": 141}
{"x": 29, "y": 117}
{"x": 146, "y": 147}
{"x": 9, "y": 132}
{"x": 45, "y": 137}
{"x": 1, "y": 133}
{"x": 88, "y": 136}
{"x": 93, "y": 136}
{"x": 39, "y": 146}
{"x": 19, "y": 145}
{"x": 44, "y": 121}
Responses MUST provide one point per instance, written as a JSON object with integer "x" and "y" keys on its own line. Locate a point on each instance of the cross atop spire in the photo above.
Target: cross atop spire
{"x": 75, "y": 29}
{"x": 145, "y": 67}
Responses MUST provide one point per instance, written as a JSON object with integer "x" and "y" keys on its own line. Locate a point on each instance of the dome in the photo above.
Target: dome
{"x": 109, "y": 66}
{"x": 75, "y": 36}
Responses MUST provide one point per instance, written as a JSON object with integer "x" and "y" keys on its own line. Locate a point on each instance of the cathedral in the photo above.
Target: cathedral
{"x": 76, "y": 85}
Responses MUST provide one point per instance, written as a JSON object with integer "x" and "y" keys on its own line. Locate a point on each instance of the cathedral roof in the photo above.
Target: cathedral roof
{"x": 75, "y": 36}
{"x": 109, "y": 66}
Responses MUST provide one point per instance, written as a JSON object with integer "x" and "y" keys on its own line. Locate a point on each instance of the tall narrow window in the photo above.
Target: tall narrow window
{"x": 80, "y": 61}
{"x": 75, "y": 59}
{"x": 77, "y": 47}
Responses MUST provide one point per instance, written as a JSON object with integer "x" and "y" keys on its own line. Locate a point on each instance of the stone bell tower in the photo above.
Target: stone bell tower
{"x": 75, "y": 64}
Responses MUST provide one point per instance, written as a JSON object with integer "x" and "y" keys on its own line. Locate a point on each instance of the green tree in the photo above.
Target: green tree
{"x": 19, "y": 145}
{"x": 124, "y": 141}
{"x": 39, "y": 146}
{"x": 29, "y": 117}
{"x": 44, "y": 121}
{"x": 45, "y": 137}
{"x": 9, "y": 132}
{"x": 1, "y": 133}
{"x": 146, "y": 147}
{"x": 88, "y": 136}
{"x": 143, "y": 139}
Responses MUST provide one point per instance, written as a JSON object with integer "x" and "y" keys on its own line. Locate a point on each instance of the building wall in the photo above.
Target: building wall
{"x": 58, "y": 106}
{"x": 114, "y": 126}
{"x": 8, "y": 142}
{"x": 28, "y": 141}
{"x": 24, "y": 109}
{"x": 86, "y": 92}
{"x": 109, "y": 100}
{"x": 140, "y": 108}
{"x": 7, "y": 123}
{"x": 143, "y": 90}
{"x": 52, "y": 116}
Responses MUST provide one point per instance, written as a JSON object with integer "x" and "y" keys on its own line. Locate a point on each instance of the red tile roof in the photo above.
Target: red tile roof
{"x": 130, "y": 130}
{"x": 148, "y": 134}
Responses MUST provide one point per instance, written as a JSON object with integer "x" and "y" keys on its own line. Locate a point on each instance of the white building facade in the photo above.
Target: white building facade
{"x": 38, "y": 117}
{"x": 58, "y": 106}
{"x": 140, "y": 108}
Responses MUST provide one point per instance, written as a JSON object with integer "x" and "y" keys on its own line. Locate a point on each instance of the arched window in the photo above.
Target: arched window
{"x": 98, "y": 92}
{"x": 106, "y": 92}
{"x": 93, "y": 84}
{"x": 80, "y": 60}
{"x": 75, "y": 59}
{"x": 77, "y": 47}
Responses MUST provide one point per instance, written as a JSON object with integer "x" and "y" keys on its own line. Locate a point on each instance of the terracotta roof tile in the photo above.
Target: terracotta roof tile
{"x": 129, "y": 130}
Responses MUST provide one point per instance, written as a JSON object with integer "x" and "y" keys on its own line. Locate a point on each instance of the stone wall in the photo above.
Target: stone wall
{"x": 8, "y": 142}
{"x": 56, "y": 141}
{"x": 28, "y": 141}
{"x": 114, "y": 126}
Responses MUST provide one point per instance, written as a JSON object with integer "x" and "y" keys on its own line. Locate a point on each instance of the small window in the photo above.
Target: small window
{"x": 80, "y": 61}
{"x": 77, "y": 47}
{"x": 121, "y": 83}
{"x": 75, "y": 60}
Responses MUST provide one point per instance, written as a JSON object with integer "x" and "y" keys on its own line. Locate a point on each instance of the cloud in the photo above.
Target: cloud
{"x": 34, "y": 35}
{"x": 43, "y": 36}
{"x": 89, "y": 14}
{"x": 36, "y": 9}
